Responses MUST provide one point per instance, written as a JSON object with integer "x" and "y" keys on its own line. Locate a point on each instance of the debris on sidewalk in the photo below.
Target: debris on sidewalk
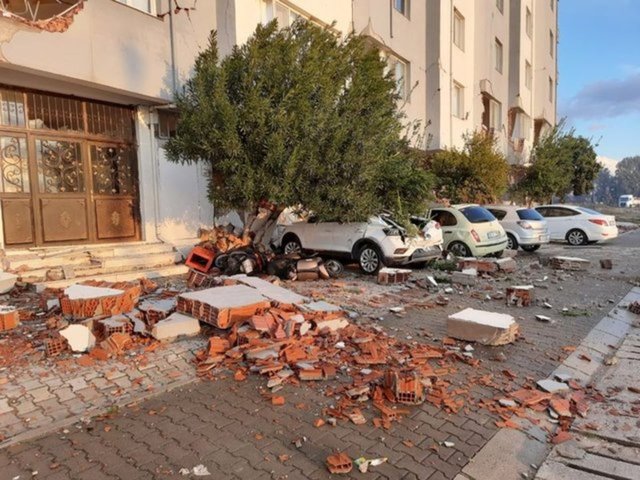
{"x": 569, "y": 263}
{"x": 339, "y": 463}
{"x": 634, "y": 307}
{"x": 488, "y": 328}
{"x": 520, "y": 296}
{"x": 9, "y": 318}
{"x": 390, "y": 276}
{"x": 606, "y": 264}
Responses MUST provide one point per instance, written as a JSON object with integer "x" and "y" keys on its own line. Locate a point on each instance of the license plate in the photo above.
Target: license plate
{"x": 493, "y": 234}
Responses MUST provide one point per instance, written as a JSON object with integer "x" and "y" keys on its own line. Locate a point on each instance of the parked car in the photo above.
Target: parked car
{"x": 525, "y": 227}
{"x": 468, "y": 230}
{"x": 578, "y": 225}
{"x": 372, "y": 244}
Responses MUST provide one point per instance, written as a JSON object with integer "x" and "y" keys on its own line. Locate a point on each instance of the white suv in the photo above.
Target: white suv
{"x": 372, "y": 244}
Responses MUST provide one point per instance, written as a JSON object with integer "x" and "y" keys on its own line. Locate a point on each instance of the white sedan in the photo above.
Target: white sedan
{"x": 372, "y": 244}
{"x": 578, "y": 225}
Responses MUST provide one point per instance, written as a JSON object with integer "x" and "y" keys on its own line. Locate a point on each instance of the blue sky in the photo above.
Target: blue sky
{"x": 599, "y": 73}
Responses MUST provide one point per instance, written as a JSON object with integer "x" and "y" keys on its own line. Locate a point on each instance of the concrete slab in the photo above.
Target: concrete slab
{"x": 488, "y": 328}
{"x": 271, "y": 291}
{"x": 508, "y": 454}
{"x": 613, "y": 327}
{"x": 321, "y": 306}
{"x": 174, "y": 326}
{"x": 232, "y": 296}
{"x": 79, "y": 337}
{"x": 77, "y": 292}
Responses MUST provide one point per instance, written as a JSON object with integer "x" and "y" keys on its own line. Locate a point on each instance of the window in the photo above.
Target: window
{"x": 529, "y": 23}
{"x": 550, "y": 89}
{"x": 498, "y": 55}
{"x": 551, "y": 44}
{"x": 457, "y": 106}
{"x": 529, "y": 214}
{"x": 143, "y": 5}
{"x": 499, "y": 214}
{"x": 458, "y": 29}
{"x": 402, "y": 6}
{"x": 500, "y": 5}
{"x": 400, "y": 71}
{"x": 495, "y": 115}
{"x": 528, "y": 74}
{"x": 551, "y": 2}
{"x": 167, "y": 124}
{"x": 444, "y": 218}
{"x": 477, "y": 214}
{"x": 285, "y": 16}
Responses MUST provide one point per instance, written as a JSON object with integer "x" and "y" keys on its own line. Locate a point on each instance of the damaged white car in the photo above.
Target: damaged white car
{"x": 372, "y": 244}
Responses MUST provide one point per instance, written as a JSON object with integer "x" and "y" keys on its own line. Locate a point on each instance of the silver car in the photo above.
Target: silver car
{"x": 525, "y": 227}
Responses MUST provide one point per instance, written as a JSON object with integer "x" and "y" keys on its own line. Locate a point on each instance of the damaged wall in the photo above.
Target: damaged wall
{"x": 111, "y": 46}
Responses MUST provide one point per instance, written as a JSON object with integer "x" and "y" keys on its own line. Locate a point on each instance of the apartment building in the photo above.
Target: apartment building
{"x": 491, "y": 66}
{"x": 86, "y": 91}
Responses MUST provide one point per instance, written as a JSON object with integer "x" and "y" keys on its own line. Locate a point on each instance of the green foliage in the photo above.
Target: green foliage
{"x": 607, "y": 189}
{"x": 477, "y": 173}
{"x": 561, "y": 163}
{"x": 299, "y": 116}
{"x": 628, "y": 175}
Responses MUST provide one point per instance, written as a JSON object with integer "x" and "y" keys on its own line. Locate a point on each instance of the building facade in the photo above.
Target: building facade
{"x": 86, "y": 91}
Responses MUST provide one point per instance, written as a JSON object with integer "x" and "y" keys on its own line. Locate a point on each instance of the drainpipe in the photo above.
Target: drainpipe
{"x": 174, "y": 77}
{"x": 451, "y": 72}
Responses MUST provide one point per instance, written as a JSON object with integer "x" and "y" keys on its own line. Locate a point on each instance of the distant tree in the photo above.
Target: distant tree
{"x": 561, "y": 163}
{"x": 628, "y": 175}
{"x": 476, "y": 173}
{"x": 299, "y": 116}
{"x": 607, "y": 188}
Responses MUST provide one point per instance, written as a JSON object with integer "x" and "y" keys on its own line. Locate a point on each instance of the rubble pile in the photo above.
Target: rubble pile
{"x": 569, "y": 263}
{"x": 221, "y": 253}
{"x": 291, "y": 344}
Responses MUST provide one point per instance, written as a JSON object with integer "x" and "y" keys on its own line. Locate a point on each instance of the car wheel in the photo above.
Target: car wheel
{"x": 512, "y": 243}
{"x": 291, "y": 245}
{"x": 577, "y": 237}
{"x": 370, "y": 258}
{"x": 334, "y": 267}
{"x": 459, "y": 249}
{"x": 530, "y": 248}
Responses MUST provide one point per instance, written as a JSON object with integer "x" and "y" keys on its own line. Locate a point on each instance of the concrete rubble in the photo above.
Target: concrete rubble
{"x": 569, "y": 263}
{"x": 488, "y": 328}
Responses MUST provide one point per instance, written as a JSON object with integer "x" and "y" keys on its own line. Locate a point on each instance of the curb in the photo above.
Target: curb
{"x": 510, "y": 453}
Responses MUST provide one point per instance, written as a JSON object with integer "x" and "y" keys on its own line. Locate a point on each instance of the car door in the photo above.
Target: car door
{"x": 318, "y": 235}
{"x": 345, "y": 235}
{"x": 559, "y": 221}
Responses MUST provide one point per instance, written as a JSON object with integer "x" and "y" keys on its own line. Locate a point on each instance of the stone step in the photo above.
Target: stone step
{"x": 145, "y": 260}
{"x": 124, "y": 276}
{"x": 43, "y": 259}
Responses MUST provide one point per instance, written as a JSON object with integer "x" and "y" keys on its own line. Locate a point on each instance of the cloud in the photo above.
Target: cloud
{"x": 606, "y": 99}
{"x": 610, "y": 163}
{"x": 594, "y": 127}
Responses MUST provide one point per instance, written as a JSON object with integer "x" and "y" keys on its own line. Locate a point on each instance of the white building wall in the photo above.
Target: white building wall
{"x": 544, "y": 63}
{"x": 116, "y": 53}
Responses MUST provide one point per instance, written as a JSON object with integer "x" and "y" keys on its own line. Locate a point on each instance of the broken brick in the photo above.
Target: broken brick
{"x": 339, "y": 463}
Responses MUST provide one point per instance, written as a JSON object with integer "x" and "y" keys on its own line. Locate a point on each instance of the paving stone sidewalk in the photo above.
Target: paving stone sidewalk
{"x": 40, "y": 397}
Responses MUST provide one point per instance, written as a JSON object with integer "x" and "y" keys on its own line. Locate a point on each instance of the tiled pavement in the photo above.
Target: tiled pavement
{"x": 37, "y": 397}
{"x": 236, "y": 433}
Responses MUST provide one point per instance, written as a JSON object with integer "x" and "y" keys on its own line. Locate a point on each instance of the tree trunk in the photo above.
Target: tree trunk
{"x": 260, "y": 224}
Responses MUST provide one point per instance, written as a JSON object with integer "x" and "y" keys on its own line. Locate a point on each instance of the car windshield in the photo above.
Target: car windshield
{"x": 477, "y": 214}
{"x": 529, "y": 214}
{"x": 387, "y": 219}
{"x": 588, "y": 211}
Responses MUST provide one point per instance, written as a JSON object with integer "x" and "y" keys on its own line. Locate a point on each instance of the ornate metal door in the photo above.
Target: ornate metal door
{"x": 68, "y": 170}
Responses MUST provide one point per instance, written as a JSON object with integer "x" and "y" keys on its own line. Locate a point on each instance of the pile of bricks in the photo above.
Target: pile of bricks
{"x": 81, "y": 308}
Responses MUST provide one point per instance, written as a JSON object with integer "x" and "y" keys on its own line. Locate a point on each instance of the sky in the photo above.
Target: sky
{"x": 599, "y": 74}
